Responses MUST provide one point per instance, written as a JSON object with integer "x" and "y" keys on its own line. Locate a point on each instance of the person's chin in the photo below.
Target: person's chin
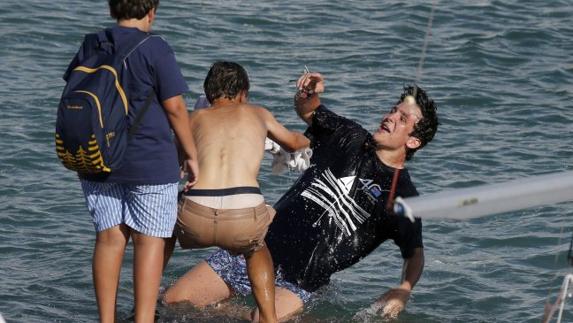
{"x": 380, "y": 136}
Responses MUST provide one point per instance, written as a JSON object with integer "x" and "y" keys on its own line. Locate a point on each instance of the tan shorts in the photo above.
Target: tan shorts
{"x": 241, "y": 231}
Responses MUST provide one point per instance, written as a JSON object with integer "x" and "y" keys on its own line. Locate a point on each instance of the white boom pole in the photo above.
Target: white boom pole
{"x": 489, "y": 199}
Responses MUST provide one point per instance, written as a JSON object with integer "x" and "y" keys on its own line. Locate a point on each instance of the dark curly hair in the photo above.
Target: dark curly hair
{"x": 226, "y": 80}
{"x": 426, "y": 128}
{"x": 131, "y": 9}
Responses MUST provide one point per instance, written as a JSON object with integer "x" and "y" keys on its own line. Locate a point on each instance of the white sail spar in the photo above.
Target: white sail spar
{"x": 473, "y": 202}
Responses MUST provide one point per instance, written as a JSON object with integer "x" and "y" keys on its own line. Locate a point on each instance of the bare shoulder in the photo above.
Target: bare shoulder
{"x": 261, "y": 111}
{"x": 255, "y": 110}
{"x": 251, "y": 107}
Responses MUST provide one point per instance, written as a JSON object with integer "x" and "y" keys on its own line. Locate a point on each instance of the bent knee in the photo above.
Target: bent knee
{"x": 176, "y": 294}
{"x": 195, "y": 299}
{"x": 201, "y": 287}
{"x": 171, "y": 297}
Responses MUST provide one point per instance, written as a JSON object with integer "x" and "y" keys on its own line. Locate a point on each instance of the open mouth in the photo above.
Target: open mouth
{"x": 384, "y": 127}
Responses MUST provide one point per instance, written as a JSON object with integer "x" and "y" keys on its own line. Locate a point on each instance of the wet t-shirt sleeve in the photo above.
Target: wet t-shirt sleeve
{"x": 324, "y": 123}
{"x": 327, "y": 126}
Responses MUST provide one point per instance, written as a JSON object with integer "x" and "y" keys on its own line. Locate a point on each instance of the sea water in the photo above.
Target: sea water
{"x": 500, "y": 71}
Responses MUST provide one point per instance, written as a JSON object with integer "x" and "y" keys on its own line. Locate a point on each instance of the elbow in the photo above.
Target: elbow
{"x": 419, "y": 258}
{"x": 175, "y": 106}
{"x": 177, "y": 111}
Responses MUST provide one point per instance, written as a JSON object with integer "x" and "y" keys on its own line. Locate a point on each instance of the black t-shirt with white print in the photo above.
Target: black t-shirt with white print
{"x": 334, "y": 215}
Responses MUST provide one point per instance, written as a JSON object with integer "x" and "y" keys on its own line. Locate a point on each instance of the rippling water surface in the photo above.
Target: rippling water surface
{"x": 501, "y": 71}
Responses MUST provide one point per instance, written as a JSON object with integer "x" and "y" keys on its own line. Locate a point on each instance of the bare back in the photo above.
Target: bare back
{"x": 230, "y": 145}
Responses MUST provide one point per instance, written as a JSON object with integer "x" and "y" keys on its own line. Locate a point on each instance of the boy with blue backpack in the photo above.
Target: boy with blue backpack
{"x": 123, "y": 98}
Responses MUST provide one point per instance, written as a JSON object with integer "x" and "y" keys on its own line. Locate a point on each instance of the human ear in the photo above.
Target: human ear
{"x": 244, "y": 97}
{"x": 413, "y": 142}
{"x": 151, "y": 16}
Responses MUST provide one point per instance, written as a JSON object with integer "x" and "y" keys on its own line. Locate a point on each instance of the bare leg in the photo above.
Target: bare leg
{"x": 287, "y": 304}
{"x": 147, "y": 270}
{"x": 201, "y": 286}
{"x": 261, "y": 274}
{"x": 106, "y": 267}
{"x": 168, "y": 251}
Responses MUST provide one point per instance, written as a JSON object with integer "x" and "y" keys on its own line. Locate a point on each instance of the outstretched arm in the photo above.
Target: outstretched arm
{"x": 289, "y": 140}
{"x": 394, "y": 300}
{"x": 178, "y": 117}
{"x": 307, "y": 99}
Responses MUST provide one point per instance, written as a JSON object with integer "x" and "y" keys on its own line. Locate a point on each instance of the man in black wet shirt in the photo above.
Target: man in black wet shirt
{"x": 335, "y": 214}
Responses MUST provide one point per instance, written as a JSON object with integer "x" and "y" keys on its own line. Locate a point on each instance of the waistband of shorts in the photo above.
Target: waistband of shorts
{"x": 223, "y": 191}
{"x": 205, "y": 211}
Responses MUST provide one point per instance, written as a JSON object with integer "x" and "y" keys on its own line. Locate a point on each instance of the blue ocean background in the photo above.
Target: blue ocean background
{"x": 501, "y": 72}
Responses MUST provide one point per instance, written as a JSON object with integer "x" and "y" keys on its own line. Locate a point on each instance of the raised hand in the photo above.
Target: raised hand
{"x": 309, "y": 84}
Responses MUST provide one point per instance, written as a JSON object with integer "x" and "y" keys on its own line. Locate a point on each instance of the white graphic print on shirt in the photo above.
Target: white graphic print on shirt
{"x": 332, "y": 194}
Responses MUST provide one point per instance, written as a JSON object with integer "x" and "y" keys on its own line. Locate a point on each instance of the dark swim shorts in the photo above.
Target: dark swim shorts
{"x": 233, "y": 270}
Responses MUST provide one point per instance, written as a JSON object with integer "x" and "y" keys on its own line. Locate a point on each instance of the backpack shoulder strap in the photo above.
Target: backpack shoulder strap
{"x": 123, "y": 52}
{"x": 132, "y": 44}
{"x": 103, "y": 41}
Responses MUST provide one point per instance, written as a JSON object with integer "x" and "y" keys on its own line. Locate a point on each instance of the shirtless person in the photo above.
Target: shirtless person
{"x": 225, "y": 208}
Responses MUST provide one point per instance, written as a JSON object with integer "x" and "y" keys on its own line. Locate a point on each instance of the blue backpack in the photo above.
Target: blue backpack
{"x": 92, "y": 129}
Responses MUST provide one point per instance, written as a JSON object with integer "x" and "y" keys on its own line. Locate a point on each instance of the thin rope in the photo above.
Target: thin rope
{"x": 551, "y": 308}
{"x": 426, "y": 41}
{"x": 419, "y": 69}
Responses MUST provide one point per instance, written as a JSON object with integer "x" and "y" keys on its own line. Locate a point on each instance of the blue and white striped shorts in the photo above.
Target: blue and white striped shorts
{"x": 148, "y": 209}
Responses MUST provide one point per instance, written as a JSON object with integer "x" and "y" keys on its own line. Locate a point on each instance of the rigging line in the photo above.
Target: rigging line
{"x": 570, "y": 252}
{"x": 426, "y": 41}
{"x": 551, "y": 308}
{"x": 558, "y": 305}
{"x": 390, "y": 201}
